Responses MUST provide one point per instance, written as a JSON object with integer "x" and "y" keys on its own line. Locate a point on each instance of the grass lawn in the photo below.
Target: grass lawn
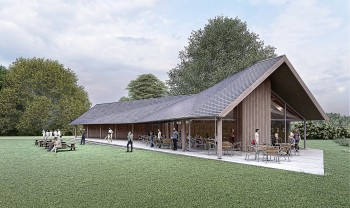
{"x": 102, "y": 176}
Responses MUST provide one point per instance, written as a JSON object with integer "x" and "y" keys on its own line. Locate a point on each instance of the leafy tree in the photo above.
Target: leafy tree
{"x": 124, "y": 99}
{"x": 2, "y": 76}
{"x": 40, "y": 94}
{"x": 224, "y": 47}
{"x": 144, "y": 87}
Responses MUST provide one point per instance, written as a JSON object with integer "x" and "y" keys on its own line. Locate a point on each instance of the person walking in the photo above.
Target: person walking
{"x": 175, "y": 137}
{"x": 82, "y": 141}
{"x": 110, "y": 135}
{"x": 130, "y": 141}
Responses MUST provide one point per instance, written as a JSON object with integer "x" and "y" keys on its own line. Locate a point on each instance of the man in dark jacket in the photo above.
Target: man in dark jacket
{"x": 175, "y": 138}
{"x": 83, "y": 133}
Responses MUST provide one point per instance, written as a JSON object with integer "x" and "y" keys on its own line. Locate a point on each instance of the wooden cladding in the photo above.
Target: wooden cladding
{"x": 256, "y": 114}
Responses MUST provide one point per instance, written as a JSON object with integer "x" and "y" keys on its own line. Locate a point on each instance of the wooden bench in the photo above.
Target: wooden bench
{"x": 71, "y": 145}
{"x": 66, "y": 145}
{"x": 43, "y": 143}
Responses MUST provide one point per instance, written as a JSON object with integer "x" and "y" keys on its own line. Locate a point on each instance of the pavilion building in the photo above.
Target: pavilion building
{"x": 268, "y": 96}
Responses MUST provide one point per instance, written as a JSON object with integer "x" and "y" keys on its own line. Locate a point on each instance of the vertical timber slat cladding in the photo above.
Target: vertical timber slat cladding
{"x": 256, "y": 114}
{"x": 239, "y": 122}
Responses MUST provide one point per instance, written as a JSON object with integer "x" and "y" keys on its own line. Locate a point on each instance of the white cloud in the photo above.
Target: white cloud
{"x": 341, "y": 89}
{"x": 92, "y": 37}
{"x": 107, "y": 43}
{"x": 314, "y": 39}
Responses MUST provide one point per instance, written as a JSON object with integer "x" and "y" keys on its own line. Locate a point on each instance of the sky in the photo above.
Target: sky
{"x": 108, "y": 43}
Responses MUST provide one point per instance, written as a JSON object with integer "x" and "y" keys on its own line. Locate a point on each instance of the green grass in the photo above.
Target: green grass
{"x": 101, "y": 176}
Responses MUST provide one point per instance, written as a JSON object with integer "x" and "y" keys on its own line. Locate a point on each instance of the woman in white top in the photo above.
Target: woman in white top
{"x": 256, "y": 137}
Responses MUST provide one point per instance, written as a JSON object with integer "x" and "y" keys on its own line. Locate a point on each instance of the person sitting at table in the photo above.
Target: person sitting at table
{"x": 56, "y": 144}
{"x": 51, "y": 145}
{"x": 198, "y": 139}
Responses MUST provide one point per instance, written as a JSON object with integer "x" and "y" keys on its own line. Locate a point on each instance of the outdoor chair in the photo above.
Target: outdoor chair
{"x": 166, "y": 143}
{"x": 147, "y": 140}
{"x": 200, "y": 143}
{"x": 237, "y": 146}
{"x": 294, "y": 150}
{"x": 256, "y": 150}
{"x": 227, "y": 147}
{"x": 155, "y": 141}
{"x": 284, "y": 151}
{"x": 212, "y": 146}
{"x": 179, "y": 143}
{"x": 272, "y": 151}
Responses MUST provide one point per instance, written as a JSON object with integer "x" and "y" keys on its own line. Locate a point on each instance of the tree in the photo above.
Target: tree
{"x": 337, "y": 127}
{"x": 2, "y": 76}
{"x": 144, "y": 87}
{"x": 222, "y": 48}
{"x": 124, "y": 99}
{"x": 40, "y": 94}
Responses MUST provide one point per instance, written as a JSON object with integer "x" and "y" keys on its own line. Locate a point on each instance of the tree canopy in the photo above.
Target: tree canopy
{"x": 39, "y": 94}
{"x": 3, "y": 72}
{"x": 338, "y": 126}
{"x": 144, "y": 87}
{"x": 224, "y": 47}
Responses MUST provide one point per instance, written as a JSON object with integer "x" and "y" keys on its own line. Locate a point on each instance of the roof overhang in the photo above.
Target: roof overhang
{"x": 288, "y": 85}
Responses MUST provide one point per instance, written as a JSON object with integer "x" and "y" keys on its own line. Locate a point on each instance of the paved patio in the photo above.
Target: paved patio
{"x": 309, "y": 161}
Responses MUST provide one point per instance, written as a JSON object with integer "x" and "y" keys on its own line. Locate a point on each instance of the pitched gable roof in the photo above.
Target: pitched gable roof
{"x": 217, "y": 100}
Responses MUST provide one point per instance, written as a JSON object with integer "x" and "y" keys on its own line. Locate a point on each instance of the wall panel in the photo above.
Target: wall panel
{"x": 256, "y": 114}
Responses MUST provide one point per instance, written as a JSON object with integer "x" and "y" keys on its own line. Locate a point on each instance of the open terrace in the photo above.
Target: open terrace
{"x": 308, "y": 161}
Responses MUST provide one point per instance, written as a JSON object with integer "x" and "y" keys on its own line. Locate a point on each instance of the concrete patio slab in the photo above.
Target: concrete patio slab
{"x": 308, "y": 161}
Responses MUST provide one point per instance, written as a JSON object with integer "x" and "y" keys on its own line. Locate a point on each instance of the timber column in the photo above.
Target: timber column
{"x": 183, "y": 135}
{"x": 219, "y": 142}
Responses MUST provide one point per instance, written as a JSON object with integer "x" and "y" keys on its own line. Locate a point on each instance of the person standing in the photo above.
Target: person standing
{"x": 44, "y": 135}
{"x": 151, "y": 138}
{"x": 110, "y": 135}
{"x": 47, "y": 134}
{"x": 59, "y": 134}
{"x": 296, "y": 140}
{"x": 51, "y": 134}
{"x": 82, "y": 141}
{"x": 159, "y": 138}
{"x": 276, "y": 138}
{"x": 232, "y": 135}
{"x": 130, "y": 141}
{"x": 175, "y": 138}
{"x": 256, "y": 136}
